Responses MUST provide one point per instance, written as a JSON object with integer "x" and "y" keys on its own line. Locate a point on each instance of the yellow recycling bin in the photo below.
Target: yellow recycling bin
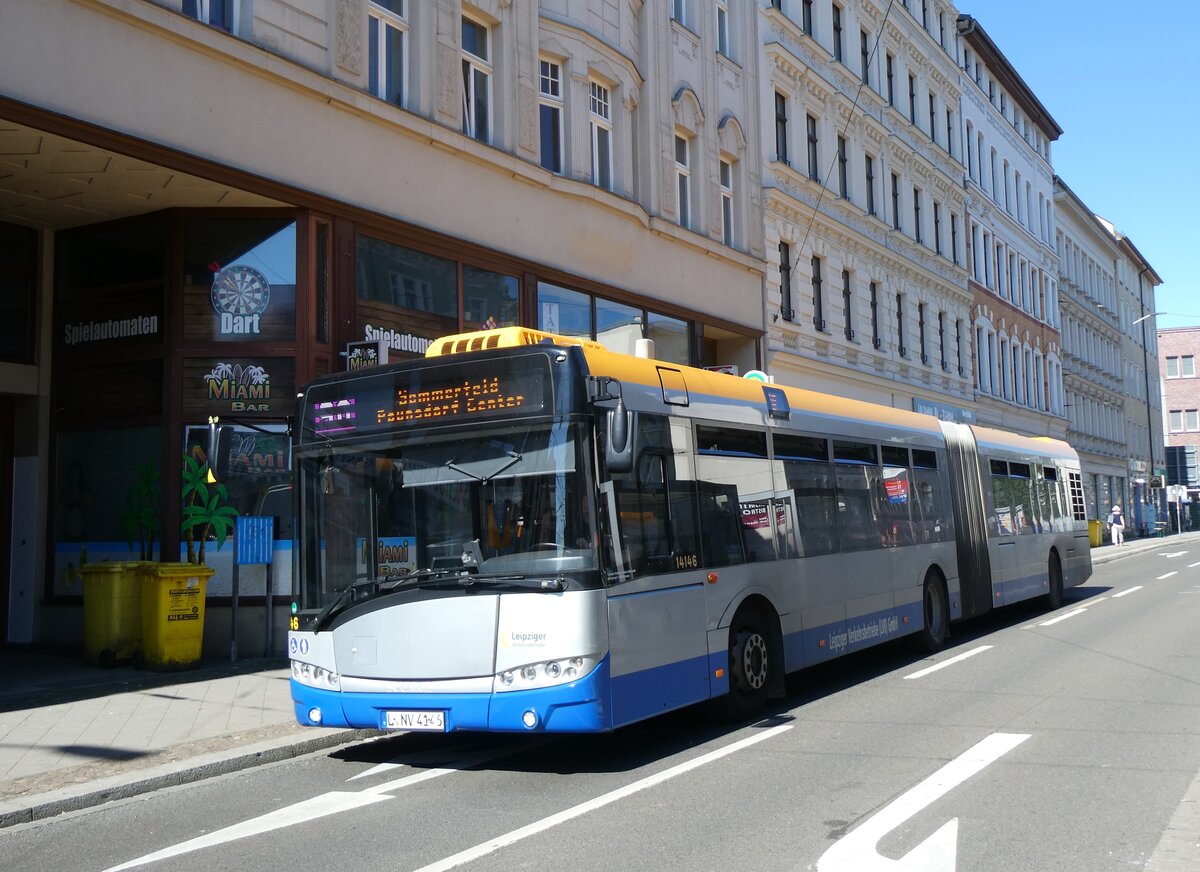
{"x": 1096, "y": 533}
{"x": 112, "y": 612}
{"x": 173, "y": 614}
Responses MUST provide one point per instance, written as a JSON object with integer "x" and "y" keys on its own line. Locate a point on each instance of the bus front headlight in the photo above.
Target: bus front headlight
{"x": 545, "y": 673}
{"x": 315, "y": 676}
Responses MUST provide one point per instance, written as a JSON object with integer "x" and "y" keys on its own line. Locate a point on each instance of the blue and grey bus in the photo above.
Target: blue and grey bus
{"x": 529, "y": 532}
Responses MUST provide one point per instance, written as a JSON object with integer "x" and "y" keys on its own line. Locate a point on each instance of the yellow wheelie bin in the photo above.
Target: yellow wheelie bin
{"x": 1096, "y": 533}
{"x": 112, "y": 612}
{"x": 173, "y": 614}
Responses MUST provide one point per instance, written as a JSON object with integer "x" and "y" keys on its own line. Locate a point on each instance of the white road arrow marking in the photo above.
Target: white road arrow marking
{"x": 857, "y": 852}
{"x": 1170, "y": 554}
{"x": 302, "y": 812}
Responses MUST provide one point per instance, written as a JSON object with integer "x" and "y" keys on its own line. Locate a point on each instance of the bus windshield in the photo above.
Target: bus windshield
{"x": 496, "y": 503}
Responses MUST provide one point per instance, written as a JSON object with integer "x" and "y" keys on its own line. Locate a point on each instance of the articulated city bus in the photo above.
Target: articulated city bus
{"x": 528, "y": 532}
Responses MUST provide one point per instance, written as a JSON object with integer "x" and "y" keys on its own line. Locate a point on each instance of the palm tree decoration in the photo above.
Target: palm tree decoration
{"x": 140, "y": 519}
{"x": 205, "y": 508}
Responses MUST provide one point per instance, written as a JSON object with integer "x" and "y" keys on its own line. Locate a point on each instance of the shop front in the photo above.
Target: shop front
{"x": 182, "y": 336}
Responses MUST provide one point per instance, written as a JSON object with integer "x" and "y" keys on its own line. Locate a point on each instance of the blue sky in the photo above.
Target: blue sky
{"x": 1119, "y": 78}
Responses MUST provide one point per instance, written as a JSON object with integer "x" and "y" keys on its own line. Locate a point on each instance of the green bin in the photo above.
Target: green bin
{"x": 1096, "y": 533}
{"x": 173, "y": 614}
{"x": 112, "y": 612}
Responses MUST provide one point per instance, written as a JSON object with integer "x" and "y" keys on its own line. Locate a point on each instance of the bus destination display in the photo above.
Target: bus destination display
{"x": 454, "y": 392}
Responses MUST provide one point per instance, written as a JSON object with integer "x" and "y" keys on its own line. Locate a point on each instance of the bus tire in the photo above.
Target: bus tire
{"x": 750, "y": 666}
{"x": 935, "y": 609}
{"x": 1054, "y": 597}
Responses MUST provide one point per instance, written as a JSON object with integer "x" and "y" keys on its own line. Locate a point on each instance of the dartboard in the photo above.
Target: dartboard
{"x": 240, "y": 290}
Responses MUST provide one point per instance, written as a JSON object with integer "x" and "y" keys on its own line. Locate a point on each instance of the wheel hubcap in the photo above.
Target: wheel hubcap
{"x": 754, "y": 660}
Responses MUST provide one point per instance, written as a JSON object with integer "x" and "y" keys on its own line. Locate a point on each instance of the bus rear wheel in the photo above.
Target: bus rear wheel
{"x": 1054, "y": 598}
{"x": 936, "y": 609}
{"x": 750, "y": 666}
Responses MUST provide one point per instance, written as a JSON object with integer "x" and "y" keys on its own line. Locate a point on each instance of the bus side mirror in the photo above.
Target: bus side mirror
{"x": 618, "y": 452}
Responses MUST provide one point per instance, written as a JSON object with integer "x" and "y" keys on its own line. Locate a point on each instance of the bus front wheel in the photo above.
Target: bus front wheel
{"x": 750, "y": 666}
{"x": 936, "y": 609}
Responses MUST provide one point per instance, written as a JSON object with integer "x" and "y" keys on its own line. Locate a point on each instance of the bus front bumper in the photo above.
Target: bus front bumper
{"x": 581, "y": 706}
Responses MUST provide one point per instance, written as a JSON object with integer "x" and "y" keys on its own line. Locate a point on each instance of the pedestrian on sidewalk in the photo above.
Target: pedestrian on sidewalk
{"x": 1116, "y": 525}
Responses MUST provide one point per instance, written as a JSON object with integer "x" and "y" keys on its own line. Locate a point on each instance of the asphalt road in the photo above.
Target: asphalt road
{"x": 1063, "y": 741}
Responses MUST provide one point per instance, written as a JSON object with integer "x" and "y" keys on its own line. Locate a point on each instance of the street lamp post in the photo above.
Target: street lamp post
{"x": 1146, "y": 372}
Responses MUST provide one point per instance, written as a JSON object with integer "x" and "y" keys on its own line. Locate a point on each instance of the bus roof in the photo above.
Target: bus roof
{"x": 646, "y": 372}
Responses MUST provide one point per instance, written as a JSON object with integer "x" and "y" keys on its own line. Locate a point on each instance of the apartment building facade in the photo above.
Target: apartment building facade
{"x": 1136, "y": 282}
{"x": 206, "y": 201}
{"x": 864, "y": 204}
{"x": 1093, "y": 387}
{"x": 1013, "y": 270}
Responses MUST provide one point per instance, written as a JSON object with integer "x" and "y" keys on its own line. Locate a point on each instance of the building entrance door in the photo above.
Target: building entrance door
{"x": 6, "y": 501}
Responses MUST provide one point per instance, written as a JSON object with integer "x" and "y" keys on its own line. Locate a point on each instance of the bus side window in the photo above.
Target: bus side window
{"x": 930, "y": 501}
{"x": 736, "y": 495}
{"x": 656, "y": 503}
{"x": 859, "y": 482}
{"x": 806, "y": 485}
{"x": 1002, "y": 522}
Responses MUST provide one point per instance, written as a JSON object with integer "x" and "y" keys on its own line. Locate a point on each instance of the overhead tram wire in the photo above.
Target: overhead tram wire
{"x": 824, "y": 182}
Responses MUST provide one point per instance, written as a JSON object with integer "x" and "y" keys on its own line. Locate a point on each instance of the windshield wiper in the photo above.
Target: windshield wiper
{"x": 519, "y": 581}
{"x": 514, "y": 457}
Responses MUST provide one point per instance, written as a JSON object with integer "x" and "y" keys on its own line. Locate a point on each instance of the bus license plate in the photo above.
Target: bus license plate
{"x": 433, "y": 721}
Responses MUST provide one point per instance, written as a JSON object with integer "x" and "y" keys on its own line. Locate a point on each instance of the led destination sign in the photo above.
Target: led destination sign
{"x": 469, "y": 398}
{"x": 429, "y": 394}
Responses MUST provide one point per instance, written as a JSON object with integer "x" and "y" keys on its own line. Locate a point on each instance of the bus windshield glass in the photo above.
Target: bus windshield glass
{"x": 497, "y": 504}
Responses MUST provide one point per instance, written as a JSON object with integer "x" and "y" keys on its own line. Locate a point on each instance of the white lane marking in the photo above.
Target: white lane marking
{"x": 856, "y": 852}
{"x": 1168, "y": 575}
{"x": 1193, "y": 565}
{"x": 1070, "y": 614}
{"x": 935, "y": 667}
{"x": 492, "y": 845}
{"x": 302, "y": 812}
{"x": 432, "y": 758}
{"x": 1125, "y": 592}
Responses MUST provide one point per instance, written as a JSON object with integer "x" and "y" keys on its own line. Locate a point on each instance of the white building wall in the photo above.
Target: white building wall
{"x": 910, "y": 249}
{"x": 1092, "y": 351}
{"x": 283, "y": 98}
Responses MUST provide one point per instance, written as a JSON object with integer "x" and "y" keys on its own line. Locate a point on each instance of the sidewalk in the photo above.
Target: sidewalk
{"x": 74, "y": 736}
{"x": 1172, "y": 542}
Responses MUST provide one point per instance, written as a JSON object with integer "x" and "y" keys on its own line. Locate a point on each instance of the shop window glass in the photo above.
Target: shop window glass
{"x": 239, "y": 279}
{"x": 563, "y": 311}
{"x": 405, "y": 278}
{"x": 105, "y": 502}
{"x": 670, "y": 337}
{"x": 130, "y": 253}
{"x": 490, "y": 299}
{"x": 254, "y": 465}
{"x": 618, "y": 327}
{"x": 18, "y": 293}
